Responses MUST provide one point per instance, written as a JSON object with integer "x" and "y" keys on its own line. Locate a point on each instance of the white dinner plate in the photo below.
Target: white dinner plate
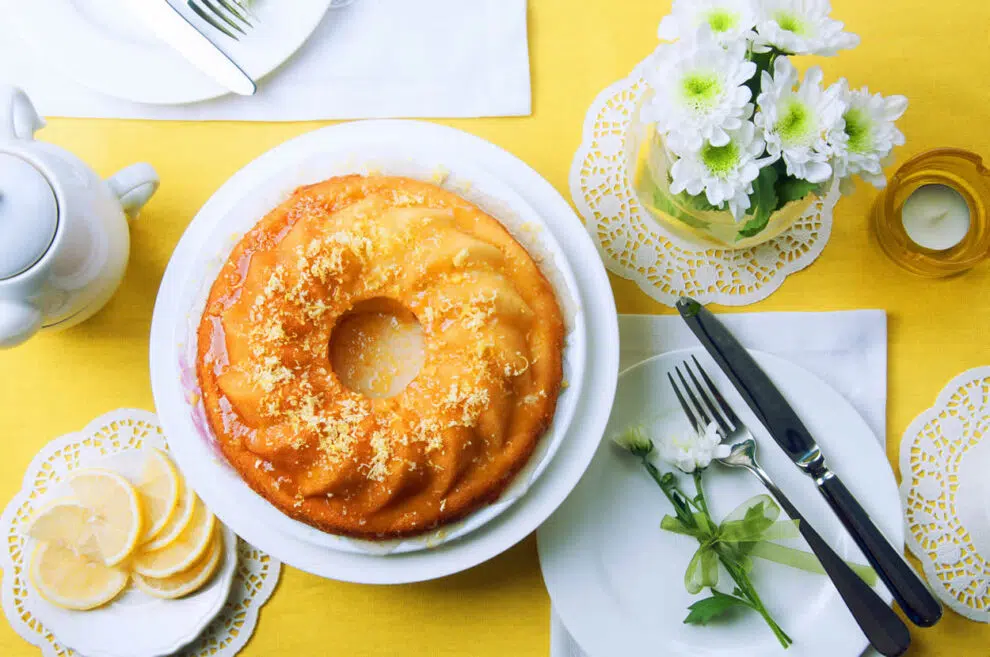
{"x": 616, "y": 578}
{"x": 105, "y": 47}
{"x": 317, "y": 158}
{"x": 591, "y": 353}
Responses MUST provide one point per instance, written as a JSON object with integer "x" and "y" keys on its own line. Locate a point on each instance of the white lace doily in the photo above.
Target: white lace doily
{"x": 254, "y": 580}
{"x": 945, "y": 457}
{"x": 635, "y": 246}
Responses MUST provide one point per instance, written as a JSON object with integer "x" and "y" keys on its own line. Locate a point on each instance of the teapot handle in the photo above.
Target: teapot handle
{"x": 18, "y": 118}
{"x": 18, "y": 321}
{"x": 134, "y": 186}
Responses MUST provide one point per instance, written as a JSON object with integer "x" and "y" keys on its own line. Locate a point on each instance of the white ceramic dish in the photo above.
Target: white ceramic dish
{"x": 316, "y": 161}
{"x": 481, "y": 172}
{"x": 103, "y": 46}
{"x": 616, "y": 579}
{"x": 135, "y": 624}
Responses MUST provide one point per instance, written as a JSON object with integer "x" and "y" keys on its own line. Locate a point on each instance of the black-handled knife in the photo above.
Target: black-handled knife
{"x": 786, "y": 428}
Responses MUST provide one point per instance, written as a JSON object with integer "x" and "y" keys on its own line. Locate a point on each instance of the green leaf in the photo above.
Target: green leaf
{"x": 664, "y": 203}
{"x": 704, "y": 611}
{"x": 791, "y": 189}
{"x": 699, "y": 202}
{"x": 762, "y": 202}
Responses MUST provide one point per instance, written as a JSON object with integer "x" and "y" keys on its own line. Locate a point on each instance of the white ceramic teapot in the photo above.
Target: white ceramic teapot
{"x": 64, "y": 238}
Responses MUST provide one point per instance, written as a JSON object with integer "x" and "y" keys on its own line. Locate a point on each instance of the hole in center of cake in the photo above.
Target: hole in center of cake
{"x": 376, "y": 347}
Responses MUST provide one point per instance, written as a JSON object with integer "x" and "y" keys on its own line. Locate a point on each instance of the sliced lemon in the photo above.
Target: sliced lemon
{"x": 69, "y": 524}
{"x": 72, "y": 581}
{"x": 177, "y": 522}
{"x": 159, "y": 487}
{"x": 184, "y": 551}
{"x": 188, "y": 581}
{"x": 118, "y": 519}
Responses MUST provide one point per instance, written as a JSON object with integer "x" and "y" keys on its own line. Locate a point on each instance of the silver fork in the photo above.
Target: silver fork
{"x": 231, "y": 17}
{"x": 882, "y": 627}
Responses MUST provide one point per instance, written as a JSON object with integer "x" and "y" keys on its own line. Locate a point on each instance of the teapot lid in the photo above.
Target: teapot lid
{"x": 28, "y": 215}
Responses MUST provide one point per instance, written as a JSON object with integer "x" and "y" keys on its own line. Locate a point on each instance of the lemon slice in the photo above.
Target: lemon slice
{"x": 188, "y": 581}
{"x": 160, "y": 486}
{"x": 72, "y": 581}
{"x": 117, "y": 518}
{"x": 177, "y": 521}
{"x": 69, "y": 524}
{"x": 184, "y": 551}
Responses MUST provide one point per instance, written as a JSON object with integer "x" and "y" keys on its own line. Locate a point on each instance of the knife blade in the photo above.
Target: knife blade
{"x": 175, "y": 30}
{"x": 789, "y": 432}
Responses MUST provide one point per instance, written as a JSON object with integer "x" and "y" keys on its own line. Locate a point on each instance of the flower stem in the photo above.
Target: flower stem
{"x": 700, "y": 496}
{"x": 749, "y": 593}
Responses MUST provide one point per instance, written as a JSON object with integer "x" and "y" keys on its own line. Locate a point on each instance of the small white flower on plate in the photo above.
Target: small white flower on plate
{"x": 868, "y": 134}
{"x": 724, "y": 173}
{"x": 800, "y": 27}
{"x": 635, "y": 440}
{"x": 729, "y": 20}
{"x": 694, "y": 451}
{"x": 800, "y": 123}
{"x": 699, "y": 89}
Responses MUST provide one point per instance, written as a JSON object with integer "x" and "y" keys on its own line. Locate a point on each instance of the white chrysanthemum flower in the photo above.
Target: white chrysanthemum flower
{"x": 868, "y": 134}
{"x": 799, "y": 123}
{"x": 635, "y": 440}
{"x": 724, "y": 173}
{"x": 729, "y": 20}
{"x": 801, "y": 27}
{"x": 694, "y": 451}
{"x": 699, "y": 90}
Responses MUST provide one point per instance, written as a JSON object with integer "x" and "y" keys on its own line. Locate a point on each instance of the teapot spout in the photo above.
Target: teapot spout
{"x": 18, "y": 322}
{"x": 18, "y": 117}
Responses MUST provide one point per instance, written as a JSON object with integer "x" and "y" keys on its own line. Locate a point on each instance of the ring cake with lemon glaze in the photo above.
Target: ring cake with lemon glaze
{"x": 372, "y": 465}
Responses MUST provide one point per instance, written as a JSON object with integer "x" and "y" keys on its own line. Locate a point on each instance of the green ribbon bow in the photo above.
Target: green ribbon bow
{"x": 749, "y": 531}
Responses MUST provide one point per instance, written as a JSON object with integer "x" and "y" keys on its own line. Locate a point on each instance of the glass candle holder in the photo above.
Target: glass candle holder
{"x": 932, "y": 219}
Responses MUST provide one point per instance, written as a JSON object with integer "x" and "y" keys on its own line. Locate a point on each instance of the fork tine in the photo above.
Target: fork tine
{"x": 224, "y": 14}
{"x": 706, "y": 397}
{"x": 237, "y": 10}
{"x": 705, "y": 420}
{"x": 687, "y": 409}
{"x": 730, "y": 414}
{"x": 202, "y": 13}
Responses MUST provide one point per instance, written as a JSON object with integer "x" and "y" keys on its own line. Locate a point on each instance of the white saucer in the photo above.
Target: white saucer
{"x": 592, "y": 346}
{"x": 135, "y": 624}
{"x": 616, "y": 579}
{"x": 100, "y": 44}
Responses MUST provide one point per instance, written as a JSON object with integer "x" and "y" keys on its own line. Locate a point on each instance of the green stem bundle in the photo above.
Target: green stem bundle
{"x": 745, "y": 593}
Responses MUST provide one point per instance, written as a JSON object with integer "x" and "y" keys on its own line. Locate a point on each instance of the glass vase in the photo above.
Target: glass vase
{"x": 649, "y": 165}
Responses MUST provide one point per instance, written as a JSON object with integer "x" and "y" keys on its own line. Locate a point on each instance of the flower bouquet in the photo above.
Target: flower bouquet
{"x": 734, "y": 145}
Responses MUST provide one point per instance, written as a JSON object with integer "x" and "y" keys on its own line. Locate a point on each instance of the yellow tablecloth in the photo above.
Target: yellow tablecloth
{"x": 933, "y": 52}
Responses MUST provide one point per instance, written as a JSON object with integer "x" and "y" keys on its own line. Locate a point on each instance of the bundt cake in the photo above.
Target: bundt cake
{"x": 378, "y": 462}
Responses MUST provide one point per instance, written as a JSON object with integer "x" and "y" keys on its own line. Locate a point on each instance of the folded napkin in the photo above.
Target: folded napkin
{"x": 371, "y": 58}
{"x": 848, "y": 350}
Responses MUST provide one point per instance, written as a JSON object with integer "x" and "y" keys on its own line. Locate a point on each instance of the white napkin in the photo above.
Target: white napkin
{"x": 373, "y": 58}
{"x": 846, "y": 349}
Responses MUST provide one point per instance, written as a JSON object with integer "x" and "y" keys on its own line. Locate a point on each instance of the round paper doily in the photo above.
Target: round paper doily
{"x": 945, "y": 455}
{"x": 255, "y": 577}
{"x": 635, "y": 246}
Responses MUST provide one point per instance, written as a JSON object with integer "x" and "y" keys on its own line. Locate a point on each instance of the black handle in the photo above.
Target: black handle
{"x": 911, "y": 593}
{"x": 882, "y": 627}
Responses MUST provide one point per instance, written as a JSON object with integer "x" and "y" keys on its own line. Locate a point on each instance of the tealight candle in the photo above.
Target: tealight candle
{"x": 935, "y": 217}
